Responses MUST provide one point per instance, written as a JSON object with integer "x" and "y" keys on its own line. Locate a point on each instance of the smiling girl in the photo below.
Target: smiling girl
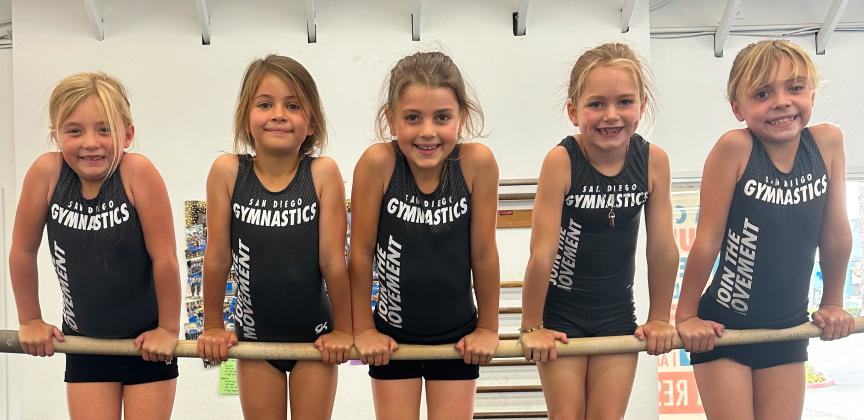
{"x": 112, "y": 242}
{"x": 279, "y": 215}
{"x": 423, "y": 210}
{"x": 771, "y": 194}
{"x": 590, "y": 195}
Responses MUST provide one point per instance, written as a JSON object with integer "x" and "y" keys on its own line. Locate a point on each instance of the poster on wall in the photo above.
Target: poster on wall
{"x": 196, "y": 244}
{"x": 678, "y": 397}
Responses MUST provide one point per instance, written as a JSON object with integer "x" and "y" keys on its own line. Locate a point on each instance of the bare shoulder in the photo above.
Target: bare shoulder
{"x": 557, "y": 156}
{"x": 135, "y": 163}
{"x": 733, "y": 148}
{"x": 44, "y": 173}
{"x": 828, "y": 137}
{"x": 225, "y": 167}
{"x": 478, "y": 165}
{"x": 324, "y": 164}
{"x": 325, "y": 169}
{"x": 47, "y": 167}
{"x": 736, "y": 142}
{"x": 657, "y": 157}
{"x": 378, "y": 154}
{"x": 374, "y": 168}
{"x": 477, "y": 155}
{"x": 138, "y": 172}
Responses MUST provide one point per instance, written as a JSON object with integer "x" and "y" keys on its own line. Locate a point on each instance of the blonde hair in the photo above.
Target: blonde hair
{"x": 301, "y": 83}
{"x": 433, "y": 70}
{"x": 110, "y": 96}
{"x": 754, "y": 65}
{"x": 613, "y": 55}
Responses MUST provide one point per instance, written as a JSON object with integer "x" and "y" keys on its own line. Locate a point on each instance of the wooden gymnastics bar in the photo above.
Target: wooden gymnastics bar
{"x": 516, "y": 196}
{"x": 509, "y": 388}
{"x": 517, "y": 182}
{"x": 306, "y": 351}
{"x": 512, "y": 415}
{"x": 508, "y": 363}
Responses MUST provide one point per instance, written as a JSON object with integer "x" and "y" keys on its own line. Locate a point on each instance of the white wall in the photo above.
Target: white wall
{"x": 7, "y": 186}
{"x": 183, "y": 93}
{"x": 692, "y": 82}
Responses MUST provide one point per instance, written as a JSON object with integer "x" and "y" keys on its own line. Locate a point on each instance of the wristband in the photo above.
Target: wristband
{"x": 522, "y": 332}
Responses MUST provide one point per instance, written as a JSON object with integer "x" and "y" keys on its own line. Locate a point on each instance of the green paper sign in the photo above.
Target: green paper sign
{"x": 228, "y": 377}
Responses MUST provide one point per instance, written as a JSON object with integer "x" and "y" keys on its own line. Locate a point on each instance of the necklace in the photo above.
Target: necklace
{"x": 611, "y": 215}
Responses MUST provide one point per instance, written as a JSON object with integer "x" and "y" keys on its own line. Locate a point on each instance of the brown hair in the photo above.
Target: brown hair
{"x": 434, "y": 70}
{"x": 614, "y": 55}
{"x": 300, "y": 81}
{"x": 754, "y": 67}
{"x": 110, "y": 96}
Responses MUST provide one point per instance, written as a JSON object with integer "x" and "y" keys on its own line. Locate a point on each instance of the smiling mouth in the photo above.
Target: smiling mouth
{"x": 92, "y": 158}
{"x": 608, "y": 131}
{"x": 783, "y": 120}
{"x": 427, "y": 148}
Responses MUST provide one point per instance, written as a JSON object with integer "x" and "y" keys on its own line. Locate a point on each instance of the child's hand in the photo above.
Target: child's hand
{"x": 834, "y": 321}
{"x": 35, "y": 337}
{"x": 539, "y": 345}
{"x": 213, "y": 344}
{"x": 157, "y": 345}
{"x": 478, "y": 347}
{"x": 697, "y": 334}
{"x": 659, "y": 335}
{"x": 374, "y": 348}
{"x": 335, "y": 347}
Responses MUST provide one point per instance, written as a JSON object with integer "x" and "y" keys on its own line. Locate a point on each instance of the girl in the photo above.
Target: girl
{"x": 112, "y": 240}
{"x": 280, "y": 217}
{"x": 423, "y": 206}
{"x": 771, "y": 194}
{"x": 590, "y": 194}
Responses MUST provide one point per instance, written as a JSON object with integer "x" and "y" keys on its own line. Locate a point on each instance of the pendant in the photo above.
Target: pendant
{"x": 611, "y": 218}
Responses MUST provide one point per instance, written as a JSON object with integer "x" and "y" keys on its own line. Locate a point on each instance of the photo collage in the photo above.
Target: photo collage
{"x": 196, "y": 244}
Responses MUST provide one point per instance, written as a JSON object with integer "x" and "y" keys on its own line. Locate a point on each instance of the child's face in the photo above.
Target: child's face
{"x": 609, "y": 109}
{"x": 778, "y": 111}
{"x": 86, "y": 141}
{"x": 426, "y": 124}
{"x": 277, "y": 121}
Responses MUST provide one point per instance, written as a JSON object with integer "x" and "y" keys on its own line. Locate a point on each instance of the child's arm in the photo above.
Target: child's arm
{"x": 478, "y": 164}
{"x": 723, "y": 167}
{"x": 835, "y": 243}
{"x": 333, "y": 225}
{"x": 154, "y": 212}
{"x": 34, "y": 334}
{"x": 662, "y": 255}
{"x": 367, "y": 192}
{"x": 214, "y": 341}
{"x": 554, "y": 182}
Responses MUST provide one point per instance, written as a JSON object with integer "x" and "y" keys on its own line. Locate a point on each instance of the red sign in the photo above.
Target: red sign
{"x": 678, "y": 393}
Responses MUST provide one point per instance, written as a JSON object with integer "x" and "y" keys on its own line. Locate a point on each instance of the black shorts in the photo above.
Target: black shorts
{"x": 758, "y": 355}
{"x": 431, "y": 370}
{"x": 283, "y": 365}
{"x": 593, "y": 317}
{"x": 128, "y": 370}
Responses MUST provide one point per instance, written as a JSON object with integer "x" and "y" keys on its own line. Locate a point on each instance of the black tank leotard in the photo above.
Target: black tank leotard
{"x": 99, "y": 254}
{"x": 423, "y": 255}
{"x": 595, "y": 259}
{"x": 770, "y": 240}
{"x": 274, "y": 242}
